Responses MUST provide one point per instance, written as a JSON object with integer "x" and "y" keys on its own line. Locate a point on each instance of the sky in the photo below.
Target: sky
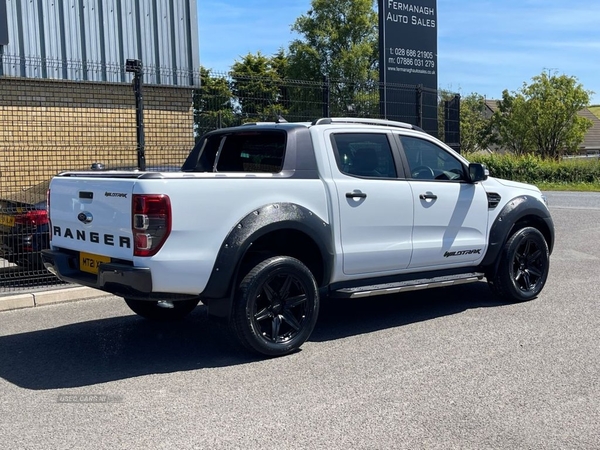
{"x": 484, "y": 46}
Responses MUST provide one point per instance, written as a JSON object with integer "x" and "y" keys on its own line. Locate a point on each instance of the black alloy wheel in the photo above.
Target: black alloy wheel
{"x": 276, "y": 306}
{"x": 524, "y": 266}
{"x": 528, "y": 265}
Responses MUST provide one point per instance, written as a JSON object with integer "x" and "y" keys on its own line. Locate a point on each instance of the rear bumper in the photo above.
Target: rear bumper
{"x": 118, "y": 279}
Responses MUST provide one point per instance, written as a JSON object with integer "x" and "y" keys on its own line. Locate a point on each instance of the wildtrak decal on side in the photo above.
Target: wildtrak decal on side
{"x": 463, "y": 252}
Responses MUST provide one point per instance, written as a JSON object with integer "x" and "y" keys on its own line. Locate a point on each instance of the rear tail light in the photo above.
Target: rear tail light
{"x": 48, "y": 212}
{"x": 150, "y": 223}
{"x": 32, "y": 218}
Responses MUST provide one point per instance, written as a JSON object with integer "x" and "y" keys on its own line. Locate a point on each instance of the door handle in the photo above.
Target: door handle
{"x": 428, "y": 196}
{"x": 356, "y": 195}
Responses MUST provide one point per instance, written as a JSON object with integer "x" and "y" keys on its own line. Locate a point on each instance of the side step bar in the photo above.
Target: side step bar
{"x": 405, "y": 286}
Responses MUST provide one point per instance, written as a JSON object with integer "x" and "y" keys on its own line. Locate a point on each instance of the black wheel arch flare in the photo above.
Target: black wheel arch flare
{"x": 260, "y": 222}
{"x": 522, "y": 209}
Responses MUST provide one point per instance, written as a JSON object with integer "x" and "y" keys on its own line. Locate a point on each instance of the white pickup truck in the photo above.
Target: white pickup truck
{"x": 265, "y": 219}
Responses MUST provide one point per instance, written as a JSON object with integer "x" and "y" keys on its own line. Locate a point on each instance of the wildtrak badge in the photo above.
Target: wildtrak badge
{"x": 115, "y": 194}
{"x": 463, "y": 252}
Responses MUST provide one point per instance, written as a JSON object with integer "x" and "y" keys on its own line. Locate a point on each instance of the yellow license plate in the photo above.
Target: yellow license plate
{"x": 7, "y": 221}
{"x": 88, "y": 262}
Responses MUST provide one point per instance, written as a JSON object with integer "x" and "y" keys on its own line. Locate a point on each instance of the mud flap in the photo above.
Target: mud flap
{"x": 219, "y": 307}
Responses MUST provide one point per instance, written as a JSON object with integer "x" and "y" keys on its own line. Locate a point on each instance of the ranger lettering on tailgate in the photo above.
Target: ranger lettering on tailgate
{"x": 92, "y": 236}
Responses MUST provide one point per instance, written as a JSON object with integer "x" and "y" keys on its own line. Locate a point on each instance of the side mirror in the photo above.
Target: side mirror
{"x": 478, "y": 172}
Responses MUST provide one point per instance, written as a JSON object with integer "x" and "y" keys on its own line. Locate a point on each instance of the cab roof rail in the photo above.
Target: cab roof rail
{"x": 365, "y": 121}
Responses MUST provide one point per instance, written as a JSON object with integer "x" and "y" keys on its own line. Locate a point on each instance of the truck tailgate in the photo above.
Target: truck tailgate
{"x": 92, "y": 215}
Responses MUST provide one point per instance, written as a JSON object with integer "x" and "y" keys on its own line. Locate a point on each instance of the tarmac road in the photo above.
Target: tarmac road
{"x": 439, "y": 369}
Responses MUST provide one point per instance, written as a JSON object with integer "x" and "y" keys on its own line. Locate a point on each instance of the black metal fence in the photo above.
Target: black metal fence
{"x": 227, "y": 99}
{"x": 49, "y": 126}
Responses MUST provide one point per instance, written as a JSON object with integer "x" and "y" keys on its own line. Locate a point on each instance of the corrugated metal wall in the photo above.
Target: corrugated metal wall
{"x": 92, "y": 39}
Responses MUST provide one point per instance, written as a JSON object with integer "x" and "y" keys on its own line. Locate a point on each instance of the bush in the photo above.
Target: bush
{"x": 533, "y": 169}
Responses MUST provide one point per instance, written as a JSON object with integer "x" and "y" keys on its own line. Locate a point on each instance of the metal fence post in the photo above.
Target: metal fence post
{"x": 452, "y": 122}
{"x": 325, "y": 96}
{"x": 135, "y": 66}
{"x": 420, "y": 105}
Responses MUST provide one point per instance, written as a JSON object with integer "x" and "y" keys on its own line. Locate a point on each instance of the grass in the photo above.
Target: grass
{"x": 579, "y": 187}
{"x": 595, "y": 109}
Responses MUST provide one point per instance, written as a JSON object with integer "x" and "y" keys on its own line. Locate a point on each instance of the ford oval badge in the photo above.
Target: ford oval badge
{"x": 85, "y": 217}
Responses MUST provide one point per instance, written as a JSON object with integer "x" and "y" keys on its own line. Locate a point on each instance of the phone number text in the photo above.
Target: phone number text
{"x": 411, "y": 57}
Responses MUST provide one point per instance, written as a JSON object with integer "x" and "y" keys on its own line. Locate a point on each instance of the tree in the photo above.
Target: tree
{"x": 257, "y": 84}
{"x": 542, "y": 116}
{"x": 340, "y": 42}
{"x": 554, "y": 103}
{"x": 475, "y": 124}
{"x": 213, "y": 106}
{"x": 511, "y": 122}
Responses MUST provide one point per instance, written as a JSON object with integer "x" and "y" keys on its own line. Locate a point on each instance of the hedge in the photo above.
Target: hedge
{"x": 533, "y": 169}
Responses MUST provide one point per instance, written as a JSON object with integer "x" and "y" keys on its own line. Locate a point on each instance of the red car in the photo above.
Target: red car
{"x": 24, "y": 226}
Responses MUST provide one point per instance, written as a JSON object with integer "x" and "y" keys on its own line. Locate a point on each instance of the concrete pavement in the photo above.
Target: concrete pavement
{"x": 48, "y": 296}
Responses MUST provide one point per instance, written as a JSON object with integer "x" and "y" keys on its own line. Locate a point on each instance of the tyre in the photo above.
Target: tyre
{"x": 156, "y": 310}
{"x": 276, "y": 306}
{"x": 523, "y": 268}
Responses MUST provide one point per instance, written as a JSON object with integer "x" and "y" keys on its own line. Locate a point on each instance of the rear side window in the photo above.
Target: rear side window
{"x": 364, "y": 155}
{"x": 254, "y": 151}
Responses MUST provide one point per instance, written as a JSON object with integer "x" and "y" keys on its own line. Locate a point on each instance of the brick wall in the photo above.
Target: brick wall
{"x": 54, "y": 125}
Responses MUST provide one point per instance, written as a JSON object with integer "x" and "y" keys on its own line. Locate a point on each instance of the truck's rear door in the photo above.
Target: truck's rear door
{"x": 92, "y": 215}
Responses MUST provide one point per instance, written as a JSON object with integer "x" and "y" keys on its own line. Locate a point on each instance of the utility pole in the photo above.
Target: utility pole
{"x": 135, "y": 66}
